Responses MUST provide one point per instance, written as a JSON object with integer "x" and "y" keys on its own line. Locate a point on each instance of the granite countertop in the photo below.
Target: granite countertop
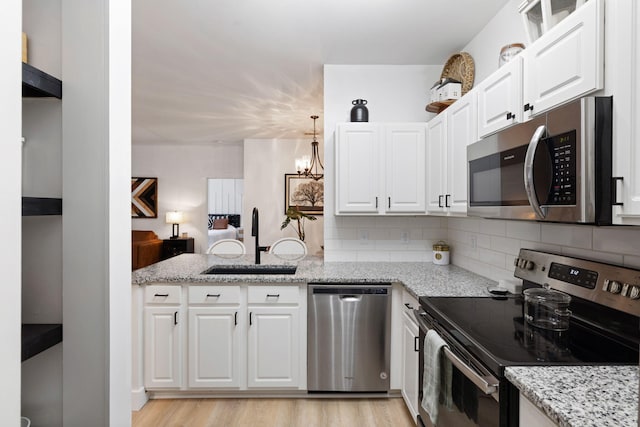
{"x": 581, "y": 395}
{"x": 419, "y": 278}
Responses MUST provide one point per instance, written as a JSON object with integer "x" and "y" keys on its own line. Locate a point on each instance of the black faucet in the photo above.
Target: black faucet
{"x": 255, "y": 225}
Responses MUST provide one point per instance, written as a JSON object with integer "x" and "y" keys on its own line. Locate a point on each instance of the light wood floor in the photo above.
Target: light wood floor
{"x": 273, "y": 413}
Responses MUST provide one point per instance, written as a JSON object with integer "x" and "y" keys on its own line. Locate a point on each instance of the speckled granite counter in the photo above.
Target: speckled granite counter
{"x": 419, "y": 278}
{"x": 581, "y": 395}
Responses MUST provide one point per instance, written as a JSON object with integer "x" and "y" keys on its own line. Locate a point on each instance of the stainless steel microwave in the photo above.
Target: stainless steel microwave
{"x": 555, "y": 167}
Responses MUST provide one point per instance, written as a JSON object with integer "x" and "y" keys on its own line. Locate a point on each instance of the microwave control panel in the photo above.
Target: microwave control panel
{"x": 563, "y": 157}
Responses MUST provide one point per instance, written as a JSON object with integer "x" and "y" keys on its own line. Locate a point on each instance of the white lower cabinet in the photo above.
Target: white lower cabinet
{"x": 273, "y": 352}
{"x": 531, "y": 415}
{"x": 163, "y": 337}
{"x": 410, "y": 357}
{"x": 232, "y": 337}
{"x": 215, "y": 336}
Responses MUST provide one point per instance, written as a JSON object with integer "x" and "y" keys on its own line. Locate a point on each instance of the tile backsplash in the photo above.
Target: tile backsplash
{"x": 487, "y": 247}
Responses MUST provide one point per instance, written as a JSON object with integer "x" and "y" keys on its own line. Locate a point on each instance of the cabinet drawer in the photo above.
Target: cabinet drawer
{"x": 274, "y": 294}
{"x": 162, "y": 294}
{"x": 211, "y": 295}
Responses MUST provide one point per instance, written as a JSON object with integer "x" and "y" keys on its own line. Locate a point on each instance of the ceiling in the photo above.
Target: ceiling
{"x": 225, "y": 70}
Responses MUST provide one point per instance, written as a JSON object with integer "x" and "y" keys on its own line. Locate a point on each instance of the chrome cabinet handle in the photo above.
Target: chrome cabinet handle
{"x": 528, "y": 172}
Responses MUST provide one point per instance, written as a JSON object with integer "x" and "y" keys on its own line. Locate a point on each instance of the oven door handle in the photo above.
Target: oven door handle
{"x": 529, "y": 185}
{"x": 488, "y": 384}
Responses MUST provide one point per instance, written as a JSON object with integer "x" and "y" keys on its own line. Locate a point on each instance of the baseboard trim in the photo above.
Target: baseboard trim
{"x": 139, "y": 398}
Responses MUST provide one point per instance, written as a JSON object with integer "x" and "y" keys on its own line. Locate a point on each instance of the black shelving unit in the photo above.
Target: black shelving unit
{"x": 38, "y": 84}
{"x": 38, "y": 337}
{"x": 34, "y": 206}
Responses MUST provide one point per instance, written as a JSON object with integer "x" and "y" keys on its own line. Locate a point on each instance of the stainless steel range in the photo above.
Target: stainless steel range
{"x": 485, "y": 335}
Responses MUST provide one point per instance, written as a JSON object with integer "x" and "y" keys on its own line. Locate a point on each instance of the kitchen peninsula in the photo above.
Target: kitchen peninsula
{"x": 417, "y": 279}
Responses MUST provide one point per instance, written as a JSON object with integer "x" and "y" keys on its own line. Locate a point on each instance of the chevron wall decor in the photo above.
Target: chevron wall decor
{"x": 144, "y": 197}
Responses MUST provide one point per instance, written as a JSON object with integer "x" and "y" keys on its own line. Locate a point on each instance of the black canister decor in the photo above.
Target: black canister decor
{"x": 359, "y": 113}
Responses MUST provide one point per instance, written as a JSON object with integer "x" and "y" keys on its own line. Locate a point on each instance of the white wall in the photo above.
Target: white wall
{"x": 395, "y": 93}
{"x": 10, "y": 215}
{"x": 266, "y": 161}
{"x": 505, "y": 28}
{"x": 182, "y": 172}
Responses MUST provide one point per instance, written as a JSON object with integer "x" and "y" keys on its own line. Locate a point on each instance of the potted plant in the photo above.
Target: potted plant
{"x": 293, "y": 214}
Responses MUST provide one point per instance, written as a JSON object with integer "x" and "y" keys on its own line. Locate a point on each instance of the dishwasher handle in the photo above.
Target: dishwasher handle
{"x": 352, "y": 291}
{"x": 350, "y": 298}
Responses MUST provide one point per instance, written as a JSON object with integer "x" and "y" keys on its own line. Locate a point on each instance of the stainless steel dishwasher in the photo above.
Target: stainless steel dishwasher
{"x": 348, "y": 337}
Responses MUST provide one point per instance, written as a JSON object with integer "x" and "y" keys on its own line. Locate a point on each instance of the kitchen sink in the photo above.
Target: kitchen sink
{"x": 251, "y": 269}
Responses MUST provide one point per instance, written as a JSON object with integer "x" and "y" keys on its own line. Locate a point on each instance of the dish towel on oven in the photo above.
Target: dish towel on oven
{"x": 433, "y": 379}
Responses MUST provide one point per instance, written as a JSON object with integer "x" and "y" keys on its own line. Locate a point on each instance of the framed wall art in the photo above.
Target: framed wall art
{"x": 144, "y": 197}
{"x": 305, "y": 193}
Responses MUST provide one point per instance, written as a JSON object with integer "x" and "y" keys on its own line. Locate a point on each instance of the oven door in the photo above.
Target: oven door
{"x": 475, "y": 391}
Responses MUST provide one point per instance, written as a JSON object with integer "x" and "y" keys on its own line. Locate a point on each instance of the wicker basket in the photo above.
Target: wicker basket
{"x": 460, "y": 67}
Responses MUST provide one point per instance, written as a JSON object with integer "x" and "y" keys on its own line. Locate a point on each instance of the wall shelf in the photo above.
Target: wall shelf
{"x": 33, "y": 206}
{"x": 38, "y": 84}
{"x": 37, "y": 337}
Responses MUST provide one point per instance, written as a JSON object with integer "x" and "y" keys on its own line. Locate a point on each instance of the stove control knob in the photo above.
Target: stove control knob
{"x": 515, "y": 261}
{"x": 530, "y": 265}
{"x": 635, "y": 292}
{"x": 615, "y": 287}
{"x": 625, "y": 289}
{"x": 522, "y": 263}
{"x": 606, "y": 284}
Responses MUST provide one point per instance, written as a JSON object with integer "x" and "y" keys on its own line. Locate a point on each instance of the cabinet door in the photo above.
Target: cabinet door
{"x": 567, "y": 61}
{"x": 626, "y": 132}
{"x": 410, "y": 336}
{"x": 357, "y": 168}
{"x": 214, "y": 347}
{"x": 273, "y": 347}
{"x": 162, "y": 347}
{"x": 500, "y": 98}
{"x": 461, "y": 131}
{"x": 405, "y": 146}
{"x": 436, "y": 152}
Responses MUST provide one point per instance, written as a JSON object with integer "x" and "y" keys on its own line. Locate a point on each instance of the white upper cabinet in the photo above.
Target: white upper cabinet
{"x": 500, "y": 98}
{"x": 357, "y": 168}
{"x": 448, "y": 135}
{"x": 405, "y": 167}
{"x": 567, "y": 61}
{"x": 436, "y": 155}
{"x": 461, "y": 131}
{"x": 369, "y": 184}
{"x": 623, "y": 53}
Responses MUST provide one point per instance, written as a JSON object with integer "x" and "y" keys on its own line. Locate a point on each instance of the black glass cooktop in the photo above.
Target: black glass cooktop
{"x": 494, "y": 331}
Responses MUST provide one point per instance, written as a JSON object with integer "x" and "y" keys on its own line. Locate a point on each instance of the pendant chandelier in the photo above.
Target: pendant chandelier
{"x": 308, "y": 166}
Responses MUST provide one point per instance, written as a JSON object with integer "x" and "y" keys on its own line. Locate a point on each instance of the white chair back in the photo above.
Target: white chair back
{"x": 227, "y": 247}
{"x": 288, "y": 246}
